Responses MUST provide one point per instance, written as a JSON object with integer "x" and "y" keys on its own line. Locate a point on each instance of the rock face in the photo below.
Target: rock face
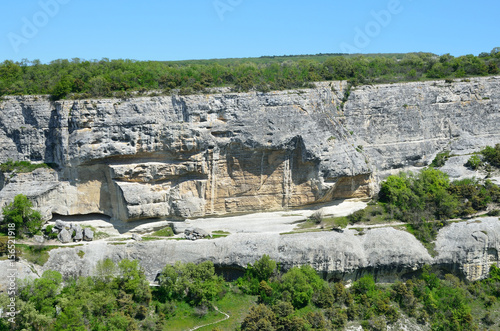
{"x": 388, "y": 252}
{"x": 467, "y": 249}
{"x": 187, "y": 156}
{"x": 470, "y": 248}
{"x": 402, "y": 125}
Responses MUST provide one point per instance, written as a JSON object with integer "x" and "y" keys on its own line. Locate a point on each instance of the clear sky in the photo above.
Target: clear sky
{"x": 204, "y": 29}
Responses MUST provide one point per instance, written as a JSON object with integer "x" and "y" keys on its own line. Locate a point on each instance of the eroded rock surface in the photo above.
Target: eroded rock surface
{"x": 467, "y": 249}
{"x": 177, "y": 157}
{"x": 189, "y": 156}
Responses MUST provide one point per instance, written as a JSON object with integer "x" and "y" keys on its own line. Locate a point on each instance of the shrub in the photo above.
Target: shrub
{"x": 49, "y": 233}
{"x": 440, "y": 159}
{"x": 21, "y": 166}
{"x": 492, "y": 155}
{"x": 356, "y": 217}
{"x": 317, "y": 217}
{"x": 20, "y": 213}
{"x": 474, "y": 162}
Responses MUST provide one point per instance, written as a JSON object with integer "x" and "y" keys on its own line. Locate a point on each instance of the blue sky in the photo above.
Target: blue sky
{"x": 203, "y": 29}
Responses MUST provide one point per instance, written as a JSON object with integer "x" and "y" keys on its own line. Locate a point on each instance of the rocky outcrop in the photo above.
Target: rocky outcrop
{"x": 470, "y": 248}
{"x": 188, "y": 156}
{"x": 391, "y": 253}
{"x": 404, "y": 125}
{"x": 467, "y": 249}
{"x": 177, "y": 157}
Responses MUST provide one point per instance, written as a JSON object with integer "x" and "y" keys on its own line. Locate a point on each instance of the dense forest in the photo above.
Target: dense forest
{"x": 120, "y": 298}
{"x": 77, "y": 78}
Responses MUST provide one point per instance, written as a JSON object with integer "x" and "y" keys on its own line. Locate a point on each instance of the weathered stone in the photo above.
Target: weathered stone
{"x": 64, "y": 236}
{"x": 195, "y": 233}
{"x": 215, "y": 154}
{"x": 62, "y": 225}
{"x": 88, "y": 234}
{"x": 136, "y": 237}
{"x": 78, "y": 232}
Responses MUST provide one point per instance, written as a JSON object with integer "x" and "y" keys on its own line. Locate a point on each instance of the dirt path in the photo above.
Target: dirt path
{"x": 369, "y": 226}
{"x": 222, "y": 320}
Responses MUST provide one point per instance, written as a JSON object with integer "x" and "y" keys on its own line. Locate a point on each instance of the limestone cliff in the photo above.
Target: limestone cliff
{"x": 186, "y": 156}
{"x": 466, "y": 249}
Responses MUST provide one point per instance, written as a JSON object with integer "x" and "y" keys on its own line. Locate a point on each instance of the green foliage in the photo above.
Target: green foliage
{"x": 103, "y": 78}
{"x": 263, "y": 268}
{"x": 259, "y": 318}
{"x": 356, "y": 217}
{"x": 427, "y": 199}
{"x": 20, "y": 213}
{"x": 114, "y": 300}
{"x": 301, "y": 283}
{"x": 492, "y": 155}
{"x": 165, "y": 232}
{"x": 132, "y": 280}
{"x": 20, "y": 166}
{"x": 196, "y": 284}
{"x": 49, "y": 233}
{"x": 37, "y": 254}
{"x": 43, "y": 291}
{"x": 474, "y": 162}
{"x": 440, "y": 159}
{"x": 105, "y": 271}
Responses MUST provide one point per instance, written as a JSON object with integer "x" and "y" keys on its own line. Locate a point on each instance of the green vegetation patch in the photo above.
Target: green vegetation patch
{"x": 119, "y": 297}
{"x": 165, "y": 232}
{"x": 37, "y": 254}
{"x": 219, "y": 234}
{"x": 428, "y": 199}
{"x": 26, "y": 221}
{"x": 79, "y": 78}
{"x": 440, "y": 159}
{"x": 21, "y": 166}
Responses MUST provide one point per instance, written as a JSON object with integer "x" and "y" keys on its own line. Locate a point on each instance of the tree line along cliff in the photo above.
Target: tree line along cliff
{"x": 79, "y": 78}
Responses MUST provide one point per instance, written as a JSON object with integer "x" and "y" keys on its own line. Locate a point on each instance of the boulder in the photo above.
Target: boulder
{"x": 136, "y": 237}
{"x": 88, "y": 234}
{"x": 61, "y": 225}
{"x": 195, "y": 233}
{"x": 64, "y": 236}
{"x": 78, "y": 233}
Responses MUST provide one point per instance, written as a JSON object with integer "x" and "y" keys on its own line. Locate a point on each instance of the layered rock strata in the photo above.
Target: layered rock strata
{"x": 187, "y": 156}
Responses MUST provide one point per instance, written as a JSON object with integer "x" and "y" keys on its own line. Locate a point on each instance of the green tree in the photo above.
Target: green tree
{"x": 301, "y": 283}
{"x": 197, "y": 284}
{"x": 263, "y": 268}
{"x": 42, "y": 292}
{"x": 132, "y": 280}
{"x": 20, "y": 213}
{"x": 62, "y": 88}
{"x": 260, "y": 318}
